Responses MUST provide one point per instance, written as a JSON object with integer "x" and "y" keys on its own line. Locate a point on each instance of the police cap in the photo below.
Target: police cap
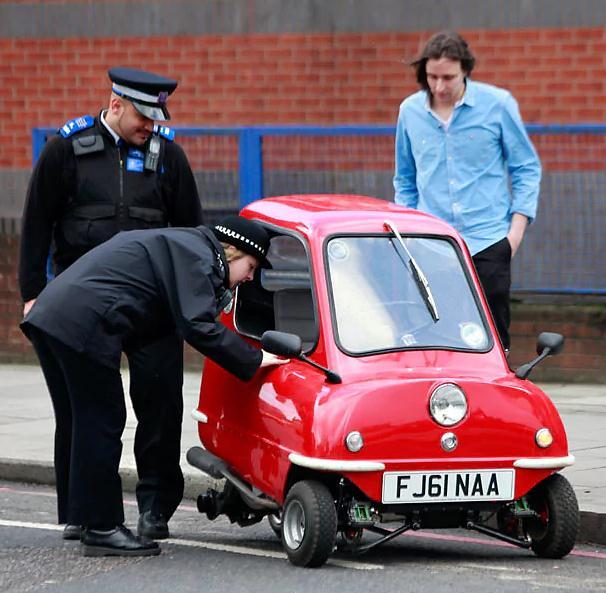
{"x": 246, "y": 235}
{"x": 147, "y": 91}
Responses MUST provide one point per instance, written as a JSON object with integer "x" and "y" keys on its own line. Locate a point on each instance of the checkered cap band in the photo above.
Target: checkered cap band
{"x": 245, "y": 234}
{"x": 231, "y": 234}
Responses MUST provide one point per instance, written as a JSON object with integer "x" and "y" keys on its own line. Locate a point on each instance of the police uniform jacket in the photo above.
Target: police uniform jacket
{"x": 138, "y": 287}
{"x": 85, "y": 188}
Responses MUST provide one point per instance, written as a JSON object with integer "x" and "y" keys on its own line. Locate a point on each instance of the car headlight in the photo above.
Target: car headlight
{"x": 448, "y": 404}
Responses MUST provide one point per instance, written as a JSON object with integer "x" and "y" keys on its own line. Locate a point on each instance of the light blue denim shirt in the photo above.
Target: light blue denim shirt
{"x": 462, "y": 174}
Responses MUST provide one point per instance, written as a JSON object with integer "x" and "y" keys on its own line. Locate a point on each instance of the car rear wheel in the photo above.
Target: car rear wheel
{"x": 554, "y": 531}
{"x": 309, "y": 524}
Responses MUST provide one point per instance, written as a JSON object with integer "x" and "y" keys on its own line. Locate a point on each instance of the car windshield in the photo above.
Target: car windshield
{"x": 378, "y": 304}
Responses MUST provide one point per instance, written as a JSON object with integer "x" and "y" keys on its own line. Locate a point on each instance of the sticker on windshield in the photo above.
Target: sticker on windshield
{"x": 408, "y": 340}
{"x": 338, "y": 250}
{"x": 472, "y": 334}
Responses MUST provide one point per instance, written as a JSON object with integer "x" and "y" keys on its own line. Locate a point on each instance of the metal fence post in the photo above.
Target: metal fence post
{"x": 250, "y": 167}
{"x": 38, "y": 142}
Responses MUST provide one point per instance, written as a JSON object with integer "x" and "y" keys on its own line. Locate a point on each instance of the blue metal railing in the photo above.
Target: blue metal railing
{"x": 562, "y": 252}
{"x": 250, "y": 141}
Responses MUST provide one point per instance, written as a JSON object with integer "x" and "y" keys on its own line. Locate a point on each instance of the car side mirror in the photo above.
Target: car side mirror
{"x": 555, "y": 343}
{"x": 282, "y": 344}
{"x": 291, "y": 346}
{"x": 548, "y": 344}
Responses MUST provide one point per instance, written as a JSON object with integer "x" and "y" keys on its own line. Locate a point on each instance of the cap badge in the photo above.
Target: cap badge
{"x": 162, "y": 97}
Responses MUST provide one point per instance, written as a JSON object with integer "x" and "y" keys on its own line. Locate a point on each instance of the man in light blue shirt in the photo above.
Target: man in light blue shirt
{"x": 463, "y": 154}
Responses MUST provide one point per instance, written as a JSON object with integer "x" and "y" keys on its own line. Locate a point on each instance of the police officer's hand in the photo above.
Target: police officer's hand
{"x": 27, "y": 306}
{"x": 272, "y": 359}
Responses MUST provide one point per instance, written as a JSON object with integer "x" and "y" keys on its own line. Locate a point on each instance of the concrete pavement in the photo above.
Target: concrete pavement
{"x": 27, "y": 426}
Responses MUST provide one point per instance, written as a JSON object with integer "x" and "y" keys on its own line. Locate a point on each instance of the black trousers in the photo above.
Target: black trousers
{"x": 156, "y": 391}
{"x": 88, "y": 402}
{"x": 493, "y": 266}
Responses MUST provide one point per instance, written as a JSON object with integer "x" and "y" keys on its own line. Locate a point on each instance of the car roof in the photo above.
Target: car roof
{"x": 326, "y": 214}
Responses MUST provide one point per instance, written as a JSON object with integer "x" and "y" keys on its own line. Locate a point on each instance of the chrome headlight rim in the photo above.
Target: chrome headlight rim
{"x": 457, "y": 412}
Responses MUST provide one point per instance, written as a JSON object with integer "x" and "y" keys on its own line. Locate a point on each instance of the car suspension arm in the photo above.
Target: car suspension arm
{"x": 522, "y": 543}
{"x": 387, "y": 535}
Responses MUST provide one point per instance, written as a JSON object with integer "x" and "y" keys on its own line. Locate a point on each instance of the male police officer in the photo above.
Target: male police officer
{"x": 99, "y": 176}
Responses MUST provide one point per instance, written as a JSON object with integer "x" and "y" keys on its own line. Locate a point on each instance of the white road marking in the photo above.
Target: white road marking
{"x": 7, "y": 523}
{"x": 495, "y": 567}
{"x": 225, "y": 548}
{"x": 210, "y": 546}
{"x": 267, "y": 553}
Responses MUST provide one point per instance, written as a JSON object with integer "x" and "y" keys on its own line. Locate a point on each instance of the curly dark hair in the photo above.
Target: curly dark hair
{"x": 446, "y": 44}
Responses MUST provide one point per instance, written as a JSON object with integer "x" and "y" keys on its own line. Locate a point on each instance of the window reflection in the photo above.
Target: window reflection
{"x": 378, "y": 306}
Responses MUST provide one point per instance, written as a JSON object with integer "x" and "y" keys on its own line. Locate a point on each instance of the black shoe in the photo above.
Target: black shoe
{"x": 119, "y": 541}
{"x": 152, "y": 526}
{"x": 72, "y": 532}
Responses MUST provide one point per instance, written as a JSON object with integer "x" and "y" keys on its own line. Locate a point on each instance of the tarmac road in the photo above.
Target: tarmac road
{"x": 217, "y": 556}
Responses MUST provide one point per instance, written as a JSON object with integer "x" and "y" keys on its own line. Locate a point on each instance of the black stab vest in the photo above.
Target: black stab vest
{"x": 110, "y": 192}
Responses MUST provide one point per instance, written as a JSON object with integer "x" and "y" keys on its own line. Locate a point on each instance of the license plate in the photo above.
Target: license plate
{"x": 413, "y": 487}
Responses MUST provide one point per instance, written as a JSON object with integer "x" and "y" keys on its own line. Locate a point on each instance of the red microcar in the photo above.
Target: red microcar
{"x": 397, "y": 410}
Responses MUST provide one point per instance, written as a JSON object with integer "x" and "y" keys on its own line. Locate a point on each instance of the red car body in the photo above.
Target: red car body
{"x": 289, "y": 422}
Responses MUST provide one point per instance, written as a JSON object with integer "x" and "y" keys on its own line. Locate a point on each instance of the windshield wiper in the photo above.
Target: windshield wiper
{"x": 416, "y": 271}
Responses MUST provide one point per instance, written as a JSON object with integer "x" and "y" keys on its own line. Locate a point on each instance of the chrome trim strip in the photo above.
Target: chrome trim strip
{"x": 336, "y": 465}
{"x": 199, "y": 416}
{"x": 544, "y": 462}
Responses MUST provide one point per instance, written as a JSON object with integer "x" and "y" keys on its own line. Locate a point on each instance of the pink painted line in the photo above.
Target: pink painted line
{"x": 589, "y": 554}
{"x": 459, "y": 538}
{"x": 490, "y": 542}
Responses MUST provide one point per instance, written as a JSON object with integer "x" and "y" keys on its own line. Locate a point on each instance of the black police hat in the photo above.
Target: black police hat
{"x": 148, "y": 92}
{"x": 247, "y": 235}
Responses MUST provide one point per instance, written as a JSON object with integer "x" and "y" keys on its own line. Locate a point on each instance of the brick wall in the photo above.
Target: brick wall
{"x": 556, "y": 74}
{"x": 13, "y": 345}
{"x": 583, "y": 359}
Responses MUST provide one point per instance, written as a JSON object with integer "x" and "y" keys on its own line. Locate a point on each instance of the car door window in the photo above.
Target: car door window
{"x": 280, "y": 297}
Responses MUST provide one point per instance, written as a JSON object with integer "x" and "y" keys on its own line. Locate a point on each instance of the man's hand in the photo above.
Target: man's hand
{"x": 27, "y": 306}
{"x": 272, "y": 359}
{"x": 516, "y": 232}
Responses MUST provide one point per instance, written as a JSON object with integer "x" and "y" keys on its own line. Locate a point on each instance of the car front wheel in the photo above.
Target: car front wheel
{"x": 554, "y": 530}
{"x": 309, "y": 524}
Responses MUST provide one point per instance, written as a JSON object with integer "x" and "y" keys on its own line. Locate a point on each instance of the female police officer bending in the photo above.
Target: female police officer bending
{"x": 133, "y": 289}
